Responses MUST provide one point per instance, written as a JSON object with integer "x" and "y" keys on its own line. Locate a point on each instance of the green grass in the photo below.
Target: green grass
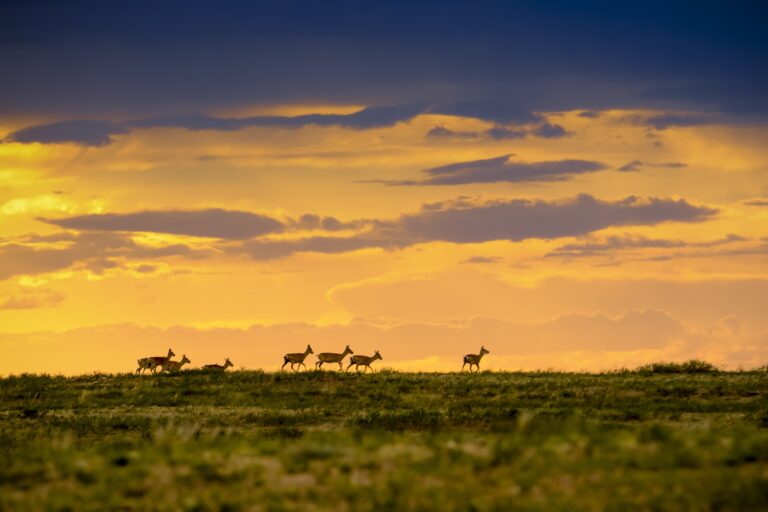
{"x": 646, "y": 440}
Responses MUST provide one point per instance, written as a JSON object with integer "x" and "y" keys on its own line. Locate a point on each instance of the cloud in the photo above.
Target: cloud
{"x": 501, "y": 169}
{"x": 594, "y": 246}
{"x": 467, "y": 222}
{"x": 96, "y": 252}
{"x": 498, "y": 132}
{"x": 664, "y": 121}
{"x": 550, "y": 131}
{"x": 76, "y": 131}
{"x": 499, "y": 62}
{"x": 520, "y": 219}
{"x": 367, "y": 118}
{"x": 504, "y": 133}
{"x": 310, "y": 221}
{"x": 460, "y": 221}
{"x": 99, "y": 133}
{"x": 482, "y": 260}
{"x": 214, "y": 223}
{"x": 443, "y": 132}
{"x": 33, "y": 300}
{"x": 756, "y": 202}
{"x": 636, "y": 165}
{"x": 488, "y": 110}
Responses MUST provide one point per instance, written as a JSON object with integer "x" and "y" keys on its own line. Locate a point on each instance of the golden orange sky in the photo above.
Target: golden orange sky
{"x": 656, "y": 248}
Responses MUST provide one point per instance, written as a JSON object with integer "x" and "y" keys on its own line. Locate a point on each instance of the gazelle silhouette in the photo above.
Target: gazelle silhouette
{"x": 364, "y": 361}
{"x": 474, "y": 359}
{"x": 297, "y": 358}
{"x": 151, "y": 363}
{"x": 175, "y": 366}
{"x": 331, "y": 357}
{"x": 218, "y": 367}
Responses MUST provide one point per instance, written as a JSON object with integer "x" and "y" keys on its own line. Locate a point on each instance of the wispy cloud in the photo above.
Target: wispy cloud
{"x": 501, "y": 169}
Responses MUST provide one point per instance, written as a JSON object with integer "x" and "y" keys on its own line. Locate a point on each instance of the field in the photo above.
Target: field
{"x": 252, "y": 440}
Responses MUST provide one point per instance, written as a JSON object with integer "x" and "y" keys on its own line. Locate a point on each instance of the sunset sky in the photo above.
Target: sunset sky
{"x": 574, "y": 185}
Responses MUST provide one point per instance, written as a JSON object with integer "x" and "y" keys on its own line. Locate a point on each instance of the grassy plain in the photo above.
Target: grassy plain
{"x": 251, "y": 440}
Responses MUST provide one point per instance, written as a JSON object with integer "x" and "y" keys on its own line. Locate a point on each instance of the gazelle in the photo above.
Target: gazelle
{"x": 364, "y": 361}
{"x": 174, "y": 366}
{"x": 474, "y": 359}
{"x": 297, "y": 358}
{"x": 151, "y": 363}
{"x": 218, "y": 367}
{"x": 331, "y": 357}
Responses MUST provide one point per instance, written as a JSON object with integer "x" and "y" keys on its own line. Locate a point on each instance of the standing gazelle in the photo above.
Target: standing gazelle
{"x": 364, "y": 361}
{"x": 151, "y": 363}
{"x": 297, "y": 358}
{"x": 474, "y": 359}
{"x": 331, "y": 357}
{"x": 218, "y": 367}
{"x": 174, "y": 366}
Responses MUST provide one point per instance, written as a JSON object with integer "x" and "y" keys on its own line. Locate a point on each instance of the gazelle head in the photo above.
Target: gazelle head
{"x": 228, "y": 363}
{"x": 309, "y": 349}
{"x": 483, "y": 350}
{"x": 348, "y": 350}
{"x": 184, "y": 359}
{"x": 376, "y": 355}
{"x": 171, "y": 353}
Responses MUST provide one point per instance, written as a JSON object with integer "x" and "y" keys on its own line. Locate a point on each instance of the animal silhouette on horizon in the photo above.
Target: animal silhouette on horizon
{"x": 297, "y": 358}
{"x": 174, "y": 366}
{"x": 218, "y": 367}
{"x": 474, "y": 359}
{"x": 364, "y": 361}
{"x": 332, "y": 357}
{"x": 151, "y": 363}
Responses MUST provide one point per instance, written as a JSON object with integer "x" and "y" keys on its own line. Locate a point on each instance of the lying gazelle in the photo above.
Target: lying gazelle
{"x": 151, "y": 363}
{"x": 474, "y": 359}
{"x": 174, "y": 366}
{"x": 331, "y": 357}
{"x": 296, "y": 358}
{"x": 218, "y": 367}
{"x": 364, "y": 361}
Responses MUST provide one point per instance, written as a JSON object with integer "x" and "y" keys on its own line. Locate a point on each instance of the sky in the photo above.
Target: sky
{"x": 573, "y": 185}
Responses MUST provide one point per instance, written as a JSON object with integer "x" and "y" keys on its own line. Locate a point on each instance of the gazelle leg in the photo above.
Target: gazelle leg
{"x": 283, "y": 367}
{"x": 464, "y": 365}
{"x": 340, "y": 366}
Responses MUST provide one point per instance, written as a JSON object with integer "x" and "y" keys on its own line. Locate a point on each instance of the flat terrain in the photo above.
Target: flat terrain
{"x": 251, "y": 440}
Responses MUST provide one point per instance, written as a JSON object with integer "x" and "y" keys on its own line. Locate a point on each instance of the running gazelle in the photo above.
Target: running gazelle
{"x": 364, "y": 361}
{"x": 297, "y": 358}
{"x": 331, "y": 357}
{"x": 474, "y": 359}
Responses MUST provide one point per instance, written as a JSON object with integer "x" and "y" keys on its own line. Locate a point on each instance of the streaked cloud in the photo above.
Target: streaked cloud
{"x": 33, "y": 299}
{"x": 214, "y": 223}
{"x": 502, "y": 169}
{"x": 76, "y": 131}
{"x": 636, "y": 165}
{"x": 598, "y": 246}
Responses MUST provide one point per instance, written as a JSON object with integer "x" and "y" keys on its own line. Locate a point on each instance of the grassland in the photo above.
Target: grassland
{"x": 252, "y": 440}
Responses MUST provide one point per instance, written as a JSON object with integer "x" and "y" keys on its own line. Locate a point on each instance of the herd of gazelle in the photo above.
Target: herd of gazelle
{"x": 296, "y": 360}
{"x": 166, "y": 364}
